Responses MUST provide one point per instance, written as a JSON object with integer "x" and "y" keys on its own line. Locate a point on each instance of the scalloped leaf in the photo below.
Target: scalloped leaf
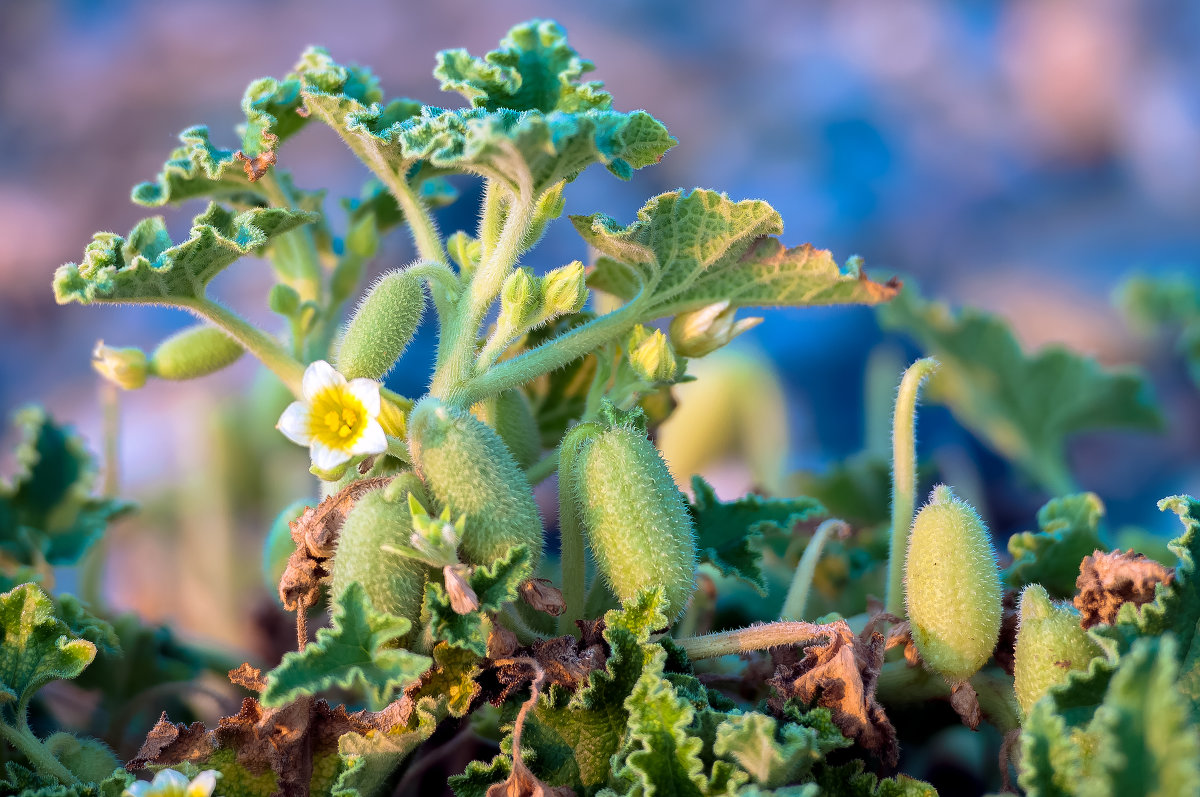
{"x": 495, "y": 585}
{"x": 355, "y": 651}
{"x": 198, "y": 168}
{"x": 1024, "y": 406}
{"x": 37, "y": 646}
{"x": 19, "y": 780}
{"x": 851, "y": 780}
{"x": 1068, "y": 531}
{"x": 148, "y": 268}
{"x": 369, "y": 760}
{"x": 689, "y": 249}
{"x": 776, "y": 755}
{"x": 729, "y": 535}
{"x": 47, "y": 510}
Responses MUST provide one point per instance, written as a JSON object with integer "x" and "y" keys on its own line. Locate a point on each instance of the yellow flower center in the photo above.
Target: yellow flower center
{"x": 338, "y": 418}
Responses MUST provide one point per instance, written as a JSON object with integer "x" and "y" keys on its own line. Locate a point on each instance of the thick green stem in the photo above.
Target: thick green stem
{"x": 268, "y": 350}
{"x": 570, "y": 528}
{"x": 542, "y": 469}
{"x": 37, "y": 754}
{"x": 797, "y": 597}
{"x": 443, "y": 286}
{"x": 904, "y": 477}
{"x": 293, "y": 254}
{"x": 756, "y": 637}
{"x": 420, "y": 222}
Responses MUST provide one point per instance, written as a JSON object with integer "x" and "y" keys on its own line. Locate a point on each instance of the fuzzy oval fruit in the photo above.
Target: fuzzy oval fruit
{"x": 511, "y": 416}
{"x": 194, "y": 352}
{"x": 382, "y": 326}
{"x": 395, "y": 584}
{"x": 952, "y": 587}
{"x": 1050, "y": 644}
{"x": 278, "y": 546}
{"x": 469, "y": 469}
{"x": 636, "y": 520}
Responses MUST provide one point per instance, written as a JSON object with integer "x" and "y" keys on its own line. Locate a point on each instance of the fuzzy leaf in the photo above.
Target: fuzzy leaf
{"x": 689, "y": 249}
{"x": 850, "y": 780}
{"x": 47, "y": 510}
{"x": 198, "y": 168}
{"x": 19, "y": 780}
{"x": 494, "y": 585}
{"x": 775, "y": 756}
{"x": 36, "y": 647}
{"x": 370, "y": 759}
{"x": 149, "y": 268}
{"x": 355, "y": 651}
{"x": 533, "y": 70}
{"x": 1051, "y": 765}
{"x": 82, "y": 623}
{"x": 1024, "y": 406}
{"x": 729, "y": 535}
{"x": 1068, "y": 531}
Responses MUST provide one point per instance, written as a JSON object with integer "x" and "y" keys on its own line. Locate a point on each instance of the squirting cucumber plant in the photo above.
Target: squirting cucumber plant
{"x": 634, "y": 643}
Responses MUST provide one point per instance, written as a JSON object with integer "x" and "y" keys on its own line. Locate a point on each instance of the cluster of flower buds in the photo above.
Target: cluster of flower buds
{"x": 652, "y": 356}
{"x": 434, "y": 541}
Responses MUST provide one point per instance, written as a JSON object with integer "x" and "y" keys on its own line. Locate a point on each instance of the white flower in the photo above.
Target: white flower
{"x": 169, "y": 783}
{"x": 336, "y": 419}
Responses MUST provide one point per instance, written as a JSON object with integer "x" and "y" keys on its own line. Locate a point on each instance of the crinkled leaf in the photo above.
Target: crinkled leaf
{"x": 729, "y": 535}
{"x": 533, "y": 70}
{"x": 689, "y": 249}
{"x": 851, "y": 780}
{"x": 369, "y": 760}
{"x": 1024, "y": 406}
{"x": 82, "y": 623}
{"x": 356, "y": 650}
{"x": 1051, "y": 764}
{"x": 47, "y": 510}
{"x": 148, "y": 268}
{"x": 36, "y": 647}
{"x": 495, "y": 585}
{"x": 479, "y": 776}
{"x": 1068, "y": 531}
{"x": 19, "y": 780}
{"x": 776, "y": 755}
{"x": 198, "y": 168}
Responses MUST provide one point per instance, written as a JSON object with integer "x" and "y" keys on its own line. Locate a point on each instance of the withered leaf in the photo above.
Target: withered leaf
{"x": 1107, "y": 580}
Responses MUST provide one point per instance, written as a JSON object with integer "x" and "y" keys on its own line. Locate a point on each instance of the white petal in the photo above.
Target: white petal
{"x": 138, "y": 789}
{"x": 203, "y": 784}
{"x": 366, "y": 391}
{"x": 295, "y": 422}
{"x": 169, "y": 781}
{"x": 371, "y": 441}
{"x": 326, "y": 458}
{"x": 319, "y": 376}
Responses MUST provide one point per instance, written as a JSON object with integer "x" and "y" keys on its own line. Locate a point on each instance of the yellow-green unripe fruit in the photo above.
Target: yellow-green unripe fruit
{"x": 194, "y": 352}
{"x": 395, "y": 584}
{"x": 1050, "y": 644}
{"x": 952, "y": 587}
{"x": 382, "y": 326}
{"x": 469, "y": 469}
{"x": 89, "y": 759}
{"x": 279, "y": 546}
{"x": 636, "y": 520}
{"x": 511, "y": 416}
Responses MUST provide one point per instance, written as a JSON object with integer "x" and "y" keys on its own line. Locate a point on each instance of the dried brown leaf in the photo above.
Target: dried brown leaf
{"x": 248, "y": 677}
{"x": 1108, "y": 580}
{"x": 543, "y": 596}
{"x": 965, "y": 702}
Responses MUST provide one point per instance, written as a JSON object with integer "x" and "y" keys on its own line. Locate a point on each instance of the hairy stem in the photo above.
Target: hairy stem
{"x": 443, "y": 286}
{"x": 570, "y": 527}
{"x": 755, "y": 637}
{"x": 797, "y": 596}
{"x": 542, "y": 469}
{"x": 293, "y": 254}
{"x": 904, "y": 477}
{"x": 37, "y": 754}
{"x": 268, "y": 350}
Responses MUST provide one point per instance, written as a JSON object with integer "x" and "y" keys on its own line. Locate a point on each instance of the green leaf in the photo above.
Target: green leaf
{"x": 198, "y": 168}
{"x": 729, "y": 535}
{"x": 1024, "y": 406}
{"x": 18, "y": 780}
{"x": 355, "y": 651}
{"x": 775, "y": 755}
{"x": 495, "y": 585}
{"x": 36, "y": 647}
{"x": 850, "y": 780}
{"x": 1051, "y": 764}
{"x": 533, "y": 70}
{"x": 148, "y": 268}
{"x": 1153, "y": 304}
{"x": 82, "y": 623}
{"x": 857, "y": 489}
{"x": 1068, "y": 531}
{"x": 47, "y": 510}
{"x": 370, "y": 760}
{"x": 689, "y": 249}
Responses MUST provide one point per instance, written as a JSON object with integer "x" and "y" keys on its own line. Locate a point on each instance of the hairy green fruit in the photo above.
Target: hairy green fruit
{"x": 511, "y": 416}
{"x": 395, "y": 584}
{"x": 635, "y": 518}
{"x": 382, "y": 326}
{"x": 1050, "y": 644}
{"x": 952, "y": 587}
{"x": 194, "y": 352}
{"x": 279, "y": 545}
{"x": 89, "y": 759}
{"x": 469, "y": 469}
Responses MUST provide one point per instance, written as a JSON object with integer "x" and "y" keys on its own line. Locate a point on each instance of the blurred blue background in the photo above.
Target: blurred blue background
{"x": 1020, "y": 157}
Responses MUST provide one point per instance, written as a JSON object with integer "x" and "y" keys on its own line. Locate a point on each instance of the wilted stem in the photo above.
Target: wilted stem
{"x": 797, "y": 597}
{"x": 755, "y": 637}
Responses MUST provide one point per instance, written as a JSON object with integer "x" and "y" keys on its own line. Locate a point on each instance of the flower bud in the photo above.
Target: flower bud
{"x": 542, "y": 596}
{"x": 1051, "y": 643}
{"x": 382, "y": 327}
{"x": 470, "y": 471}
{"x": 283, "y": 299}
{"x": 465, "y": 251}
{"x": 463, "y": 599}
{"x": 952, "y": 587}
{"x": 126, "y": 368}
{"x": 651, "y": 355}
{"x": 564, "y": 290}
{"x": 703, "y": 331}
{"x": 548, "y": 208}
{"x": 194, "y": 352}
{"x": 636, "y": 520}
{"x": 520, "y": 300}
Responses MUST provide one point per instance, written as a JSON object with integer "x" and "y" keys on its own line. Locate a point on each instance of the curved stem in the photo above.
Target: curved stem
{"x": 904, "y": 477}
{"x": 755, "y": 637}
{"x": 541, "y": 470}
{"x": 797, "y": 596}
{"x": 268, "y": 350}
{"x": 570, "y": 527}
{"x": 512, "y": 620}
{"x": 32, "y": 748}
{"x": 294, "y": 254}
{"x": 420, "y": 223}
{"x": 443, "y": 286}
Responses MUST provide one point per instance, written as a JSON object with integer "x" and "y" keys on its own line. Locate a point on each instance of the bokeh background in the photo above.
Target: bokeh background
{"x": 1020, "y": 157}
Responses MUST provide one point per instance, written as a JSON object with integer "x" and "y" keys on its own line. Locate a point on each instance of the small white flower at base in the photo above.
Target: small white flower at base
{"x": 336, "y": 419}
{"x": 169, "y": 783}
